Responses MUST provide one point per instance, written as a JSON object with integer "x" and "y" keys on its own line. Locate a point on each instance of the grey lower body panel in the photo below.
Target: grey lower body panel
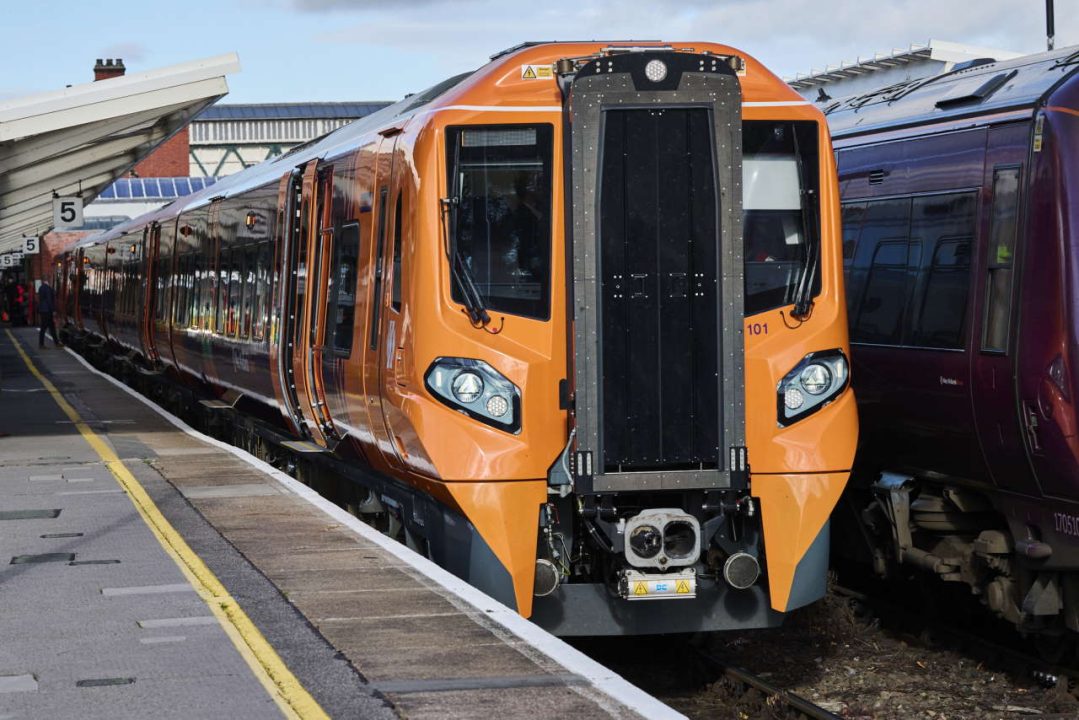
{"x": 589, "y": 609}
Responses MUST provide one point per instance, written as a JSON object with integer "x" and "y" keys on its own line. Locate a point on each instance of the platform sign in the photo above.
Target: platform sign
{"x": 11, "y": 260}
{"x": 67, "y": 212}
{"x": 31, "y": 245}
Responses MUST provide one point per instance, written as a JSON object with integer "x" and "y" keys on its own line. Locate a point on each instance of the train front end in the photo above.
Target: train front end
{"x": 642, "y": 265}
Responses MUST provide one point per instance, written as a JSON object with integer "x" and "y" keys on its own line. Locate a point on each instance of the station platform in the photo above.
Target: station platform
{"x": 147, "y": 570}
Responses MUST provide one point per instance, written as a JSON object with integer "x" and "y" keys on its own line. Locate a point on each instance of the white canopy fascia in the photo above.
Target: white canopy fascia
{"x": 83, "y": 137}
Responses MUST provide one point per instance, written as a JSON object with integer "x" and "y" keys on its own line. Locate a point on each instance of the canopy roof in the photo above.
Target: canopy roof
{"x": 80, "y": 139}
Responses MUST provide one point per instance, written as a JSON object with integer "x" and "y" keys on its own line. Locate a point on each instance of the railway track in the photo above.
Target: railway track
{"x": 1046, "y": 672}
{"x": 775, "y": 697}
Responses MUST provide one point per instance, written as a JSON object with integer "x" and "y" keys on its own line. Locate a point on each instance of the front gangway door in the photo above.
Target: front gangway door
{"x": 657, "y": 272}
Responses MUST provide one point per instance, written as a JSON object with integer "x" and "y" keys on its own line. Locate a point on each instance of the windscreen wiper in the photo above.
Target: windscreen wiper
{"x": 803, "y": 296}
{"x": 460, "y": 273}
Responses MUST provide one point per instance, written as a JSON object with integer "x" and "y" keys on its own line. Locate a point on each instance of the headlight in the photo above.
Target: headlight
{"x": 476, "y": 389}
{"x": 467, "y": 386}
{"x": 817, "y": 380}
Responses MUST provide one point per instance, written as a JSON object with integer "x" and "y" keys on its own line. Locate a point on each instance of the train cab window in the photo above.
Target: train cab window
{"x": 1001, "y": 251}
{"x": 501, "y": 179}
{"x": 346, "y": 250}
{"x": 396, "y": 290}
{"x": 780, "y": 206}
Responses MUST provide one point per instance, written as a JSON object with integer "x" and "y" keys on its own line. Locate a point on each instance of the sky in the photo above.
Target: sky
{"x": 336, "y": 50}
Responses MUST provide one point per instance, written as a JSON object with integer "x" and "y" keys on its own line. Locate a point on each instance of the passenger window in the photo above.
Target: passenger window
{"x": 943, "y": 225}
{"x": 235, "y": 294}
{"x": 396, "y": 290}
{"x": 343, "y": 293}
{"x": 876, "y": 287}
{"x": 881, "y": 318}
{"x": 262, "y": 290}
{"x": 501, "y": 178}
{"x": 1001, "y": 254}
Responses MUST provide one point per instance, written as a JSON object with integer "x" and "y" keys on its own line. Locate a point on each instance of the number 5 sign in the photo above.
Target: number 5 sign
{"x": 31, "y": 245}
{"x": 67, "y": 212}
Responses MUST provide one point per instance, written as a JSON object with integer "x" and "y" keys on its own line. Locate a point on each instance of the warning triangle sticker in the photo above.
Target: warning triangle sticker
{"x": 530, "y": 74}
{"x": 682, "y": 587}
{"x": 640, "y": 589}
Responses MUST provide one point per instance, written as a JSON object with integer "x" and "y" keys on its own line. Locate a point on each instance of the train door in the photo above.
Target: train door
{"x": 316, "y": 204}
{"x": 993, "y": 364}
{"x": 380, "y": 344}
{"x": 151, "y": 248}
{"x": 290, "y": 293}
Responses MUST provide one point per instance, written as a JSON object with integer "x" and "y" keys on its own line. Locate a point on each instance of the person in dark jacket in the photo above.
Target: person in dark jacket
{"x": 46, "y": 305}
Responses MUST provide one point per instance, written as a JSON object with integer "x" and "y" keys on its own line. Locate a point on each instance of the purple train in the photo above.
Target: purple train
{"x": 961, "y": 246}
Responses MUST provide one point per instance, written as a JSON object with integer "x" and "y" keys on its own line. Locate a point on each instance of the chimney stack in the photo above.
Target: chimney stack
{"x": 109, "y": 68}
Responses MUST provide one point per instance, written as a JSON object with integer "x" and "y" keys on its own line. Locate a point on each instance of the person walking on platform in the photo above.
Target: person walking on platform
{"x": 46, "y": 305}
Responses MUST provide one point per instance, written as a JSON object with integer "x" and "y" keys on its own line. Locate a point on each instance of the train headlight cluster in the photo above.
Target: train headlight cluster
{"x": 476, "y": 389}
{"x": 817, "y": 380}
{"x": 663, "y": 539}
{"x": 467, "y": 386}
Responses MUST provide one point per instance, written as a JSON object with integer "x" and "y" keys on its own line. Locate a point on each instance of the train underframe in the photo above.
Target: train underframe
{"x": 908, "y": 525}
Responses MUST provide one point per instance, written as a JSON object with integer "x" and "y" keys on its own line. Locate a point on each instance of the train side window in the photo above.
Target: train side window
{"x": 343, "y": 303}
{"x": 207, "y": 283}
{"x": 376, "y": 299}
{"x": 396, "y": 290}
{"x": 1001, "y": 253}
{"x": 182, "y": 290}
{"x": 236, "y": 292}
{"x": 262, "y": 290}
{"x": 852, "y": 228}
{"x": 943, "y": 226}
{"x": 880, "y": 320}
{"x": 878, "y": 283}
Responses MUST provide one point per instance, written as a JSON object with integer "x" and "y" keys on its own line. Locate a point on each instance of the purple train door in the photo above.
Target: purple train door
{"x": 994, "y": 361}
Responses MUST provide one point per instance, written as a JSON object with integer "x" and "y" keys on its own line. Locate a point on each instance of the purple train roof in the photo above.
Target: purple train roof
{"x": 978, "y": 90}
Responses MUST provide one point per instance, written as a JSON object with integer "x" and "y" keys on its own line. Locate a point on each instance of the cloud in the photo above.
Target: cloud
{"x": 787, "y": 35}
{"x": 128, "y": 51}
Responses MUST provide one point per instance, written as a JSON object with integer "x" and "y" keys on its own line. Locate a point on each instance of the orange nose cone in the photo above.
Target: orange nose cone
{"x": 794, "y": 510}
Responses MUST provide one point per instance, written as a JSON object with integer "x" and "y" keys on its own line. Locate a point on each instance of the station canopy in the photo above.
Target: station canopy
{"x": 78, "y": 140}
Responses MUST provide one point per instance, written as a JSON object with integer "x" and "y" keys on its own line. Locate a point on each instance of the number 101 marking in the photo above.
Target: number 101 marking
{"x": 757, "y": 328}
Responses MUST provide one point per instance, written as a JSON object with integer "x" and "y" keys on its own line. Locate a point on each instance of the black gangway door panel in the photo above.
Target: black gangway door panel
{"x": 659, "y": 278}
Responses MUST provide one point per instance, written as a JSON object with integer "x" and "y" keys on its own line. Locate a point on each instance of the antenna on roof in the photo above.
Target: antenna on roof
{"x": 1050, "y": 31}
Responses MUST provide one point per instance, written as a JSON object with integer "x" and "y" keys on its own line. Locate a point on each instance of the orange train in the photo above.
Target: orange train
{"x": 575, "y": 318}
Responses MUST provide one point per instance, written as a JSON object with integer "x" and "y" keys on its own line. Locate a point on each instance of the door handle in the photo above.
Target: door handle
{"x": 399, "y": 375}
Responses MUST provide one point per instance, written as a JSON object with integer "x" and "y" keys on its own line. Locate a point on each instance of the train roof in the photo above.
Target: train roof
{"x": 972, "y": 89}
{"x": 758, "y": 83}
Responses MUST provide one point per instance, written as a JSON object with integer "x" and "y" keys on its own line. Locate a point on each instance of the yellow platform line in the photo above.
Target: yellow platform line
{"x": 291, "y": 696}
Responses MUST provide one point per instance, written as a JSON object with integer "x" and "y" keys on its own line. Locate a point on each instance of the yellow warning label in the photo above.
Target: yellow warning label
{"x": 536, "y": 72}
{"x": 682, "y": 587}
{"x": 640, "y": 588}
